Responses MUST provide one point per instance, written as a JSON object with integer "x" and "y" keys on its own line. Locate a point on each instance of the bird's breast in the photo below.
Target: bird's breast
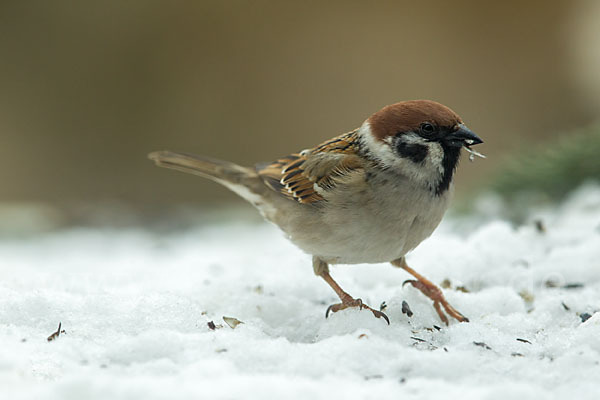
{"x": 367, "y": 224}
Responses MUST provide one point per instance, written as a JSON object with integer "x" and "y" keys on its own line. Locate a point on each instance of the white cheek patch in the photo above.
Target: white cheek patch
{"x": 382, "y": 151}
{"x": 435, "y": 156}
{"x": 413, "y": 138}
{"x": 435, "y": 152}
{"x": 429, "y": 172}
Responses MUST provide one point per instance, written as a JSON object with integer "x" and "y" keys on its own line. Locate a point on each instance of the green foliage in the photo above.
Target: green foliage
{"x": 553, "y": 170}
{"x": 539, "y": 175}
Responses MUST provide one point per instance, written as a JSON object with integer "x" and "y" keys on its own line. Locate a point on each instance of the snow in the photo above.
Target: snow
{"x": 135, "y": 307}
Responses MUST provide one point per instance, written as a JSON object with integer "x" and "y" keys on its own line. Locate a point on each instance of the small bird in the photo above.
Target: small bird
{"x": 368, "y": 196}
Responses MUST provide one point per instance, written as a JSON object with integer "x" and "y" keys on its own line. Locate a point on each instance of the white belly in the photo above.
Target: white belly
{"x": 381, "y": 228}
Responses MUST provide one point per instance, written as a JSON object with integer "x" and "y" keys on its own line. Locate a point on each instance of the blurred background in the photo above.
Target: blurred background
{"x": 89, "y": 88}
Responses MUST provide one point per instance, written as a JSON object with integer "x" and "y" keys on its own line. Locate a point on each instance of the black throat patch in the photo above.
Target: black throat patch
{"x": 449, "y": 163}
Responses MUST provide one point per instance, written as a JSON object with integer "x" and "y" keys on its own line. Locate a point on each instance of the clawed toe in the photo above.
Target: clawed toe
{"x": 347, "y": 300}
{"x": 439, "y": 301}
{"x": 380, "y": 314}
{"x": 453, "y": 312}
{"x": 333, "y": 308}
{"x": 355, "y": 303}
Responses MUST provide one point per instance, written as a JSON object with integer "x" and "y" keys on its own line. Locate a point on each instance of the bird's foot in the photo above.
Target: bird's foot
{"x": 350, "y": 302}
{"x": 439, "y": 301}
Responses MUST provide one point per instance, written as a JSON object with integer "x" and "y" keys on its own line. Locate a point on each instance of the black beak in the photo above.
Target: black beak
{"x": 463, "y": 136}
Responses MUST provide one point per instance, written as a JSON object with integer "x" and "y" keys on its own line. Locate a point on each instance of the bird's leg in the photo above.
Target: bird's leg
{"x": 322, "y": 269}
{"x": 430, "y": 290}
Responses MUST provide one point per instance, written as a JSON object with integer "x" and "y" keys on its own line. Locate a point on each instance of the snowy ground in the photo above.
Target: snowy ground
{"x": 135, "y": 308}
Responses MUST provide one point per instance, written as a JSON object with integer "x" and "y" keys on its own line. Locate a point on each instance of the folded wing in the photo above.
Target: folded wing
{"x": 307, "y": 176}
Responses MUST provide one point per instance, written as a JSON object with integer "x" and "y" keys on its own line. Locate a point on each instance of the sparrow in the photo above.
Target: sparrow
{"x": 368, "y": 196}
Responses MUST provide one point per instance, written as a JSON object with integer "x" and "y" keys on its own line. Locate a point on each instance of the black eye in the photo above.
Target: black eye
{"x": 427, "y": 128}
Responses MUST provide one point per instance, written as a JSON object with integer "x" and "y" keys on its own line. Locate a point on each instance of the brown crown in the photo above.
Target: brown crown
{"x": 409, "y": 115}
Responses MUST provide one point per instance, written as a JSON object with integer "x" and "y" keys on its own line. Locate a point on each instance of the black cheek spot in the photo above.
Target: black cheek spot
{"x": 415, "y": 152}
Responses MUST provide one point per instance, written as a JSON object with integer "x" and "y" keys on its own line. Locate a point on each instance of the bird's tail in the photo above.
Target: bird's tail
{"x": 242, "y": 180}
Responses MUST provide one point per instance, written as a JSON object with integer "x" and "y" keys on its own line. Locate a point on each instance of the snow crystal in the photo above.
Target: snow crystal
{"x": 136, "y": 309}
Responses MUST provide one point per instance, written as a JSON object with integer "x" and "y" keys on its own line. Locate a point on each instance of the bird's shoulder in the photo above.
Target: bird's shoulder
{"x": 307, "y": 176}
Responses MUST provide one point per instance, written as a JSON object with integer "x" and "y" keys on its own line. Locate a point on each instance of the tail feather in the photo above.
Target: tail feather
{"x": 204, "y": 166}
{"x": 242, "y": 180}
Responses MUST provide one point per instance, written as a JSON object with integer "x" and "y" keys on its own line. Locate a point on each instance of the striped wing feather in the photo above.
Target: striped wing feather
{"x": 305, "y": 176}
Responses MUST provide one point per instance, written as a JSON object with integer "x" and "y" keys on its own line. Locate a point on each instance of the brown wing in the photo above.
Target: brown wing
{"x": 305, "y": 176}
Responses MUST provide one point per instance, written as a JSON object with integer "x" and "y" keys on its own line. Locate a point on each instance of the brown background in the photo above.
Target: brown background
{"x": 88, "y": 88}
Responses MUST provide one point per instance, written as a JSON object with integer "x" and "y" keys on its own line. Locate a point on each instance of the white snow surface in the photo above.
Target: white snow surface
{"x": 135, "y": 307}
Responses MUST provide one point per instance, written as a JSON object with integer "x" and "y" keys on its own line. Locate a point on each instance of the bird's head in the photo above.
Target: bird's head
{"x": 420, "y": 139}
